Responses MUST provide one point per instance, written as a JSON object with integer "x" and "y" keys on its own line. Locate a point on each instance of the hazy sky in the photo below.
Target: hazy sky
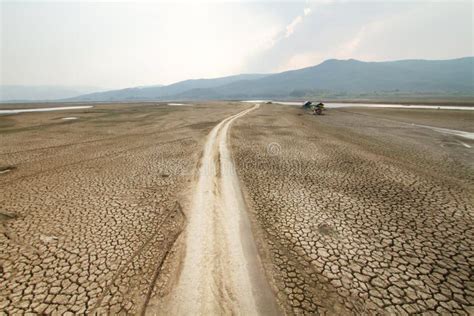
{"x": 115, "y": 45}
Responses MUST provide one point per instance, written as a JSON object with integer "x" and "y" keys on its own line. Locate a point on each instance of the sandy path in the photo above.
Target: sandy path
{"x": 221, "y": 272}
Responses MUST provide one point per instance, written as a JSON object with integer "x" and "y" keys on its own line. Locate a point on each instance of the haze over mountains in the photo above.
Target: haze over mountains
{"x": 165, "y": 92}
{"x": 38, "y": 93}
{"x": 332, "y": 78}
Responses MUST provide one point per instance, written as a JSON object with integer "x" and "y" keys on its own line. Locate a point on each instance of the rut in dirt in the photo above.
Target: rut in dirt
{"x": 222, "y": 272}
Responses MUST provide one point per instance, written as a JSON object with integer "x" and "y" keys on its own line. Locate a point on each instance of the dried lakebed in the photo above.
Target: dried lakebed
{"x": 361, "y": 215}
{"x": 358, "y": 211}
{"x": 93, "y": 207}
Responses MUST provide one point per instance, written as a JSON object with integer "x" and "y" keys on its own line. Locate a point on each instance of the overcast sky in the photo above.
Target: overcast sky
{"x": 116, "y": 45}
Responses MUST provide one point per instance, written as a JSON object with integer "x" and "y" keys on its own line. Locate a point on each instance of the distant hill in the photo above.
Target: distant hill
{"x": 332, "y": 77}
{"x": 357, "y": 77}
{"x": 164, "y": 92}
{"x": 39, "y": 93}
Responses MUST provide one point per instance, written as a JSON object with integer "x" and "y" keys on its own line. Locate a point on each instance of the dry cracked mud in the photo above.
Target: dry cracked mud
{"x": 93, "y": 206}
{"x": 359, "y": 212}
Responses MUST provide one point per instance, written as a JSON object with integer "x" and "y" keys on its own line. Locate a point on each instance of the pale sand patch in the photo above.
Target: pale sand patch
{"x": 180, "y": 104}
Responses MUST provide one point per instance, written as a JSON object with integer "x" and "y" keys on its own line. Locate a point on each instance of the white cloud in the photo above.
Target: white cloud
{"x": 148, "y": 43}
{"x": 373, "y": 32}
{"x": 136, "y": 44}
{"x": 345, "y": 50}
{"x": 290, "y": 28}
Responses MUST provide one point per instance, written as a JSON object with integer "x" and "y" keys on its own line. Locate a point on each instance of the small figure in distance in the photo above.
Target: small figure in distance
{"x": 318, "y": 108}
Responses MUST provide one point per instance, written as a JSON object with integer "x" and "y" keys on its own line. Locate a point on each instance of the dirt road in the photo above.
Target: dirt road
{"x": 221, "y": 272}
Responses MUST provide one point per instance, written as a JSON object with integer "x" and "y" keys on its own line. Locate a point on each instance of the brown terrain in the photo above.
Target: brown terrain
{"x": 358, "y": 211}
{"x": 91, "y": 207}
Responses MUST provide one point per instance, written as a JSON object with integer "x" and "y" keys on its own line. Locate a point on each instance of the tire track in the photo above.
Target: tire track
{"x": 222, "y": 272}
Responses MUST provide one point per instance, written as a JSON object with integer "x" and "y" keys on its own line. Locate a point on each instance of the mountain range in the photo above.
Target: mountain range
{"x": 166, "y": 92}
{"x": 332, "y": 78}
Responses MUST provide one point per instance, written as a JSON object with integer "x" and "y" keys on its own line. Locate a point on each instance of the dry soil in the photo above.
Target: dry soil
{"x": 358, "y": 211}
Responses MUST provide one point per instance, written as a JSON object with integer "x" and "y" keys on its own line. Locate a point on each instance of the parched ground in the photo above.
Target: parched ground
{"x": 356, "y": 212}
{"x": 359, "y": 212}
{"x": 90, "y": 208}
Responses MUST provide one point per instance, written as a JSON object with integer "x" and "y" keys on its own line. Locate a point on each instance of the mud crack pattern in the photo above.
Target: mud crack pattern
{"x": 92, "y": 207}
{"x": 359, "y": 216}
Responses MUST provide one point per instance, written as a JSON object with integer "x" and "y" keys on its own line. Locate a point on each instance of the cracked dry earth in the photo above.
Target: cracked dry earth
{"x": 90, "y": 208}
{"x": 360, "y": 213}
{"x": 353, "y": 212}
